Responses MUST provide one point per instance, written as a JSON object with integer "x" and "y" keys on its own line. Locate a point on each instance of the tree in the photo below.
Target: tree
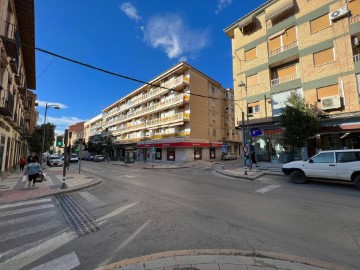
{"x": 35, "y": 141}
{"x": 300, "y": 120}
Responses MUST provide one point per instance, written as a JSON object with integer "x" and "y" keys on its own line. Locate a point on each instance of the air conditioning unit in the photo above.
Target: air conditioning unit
{"x": 341, "y": 12}
{"x": 331, "y": 102}
{"x": 356, "y": 41}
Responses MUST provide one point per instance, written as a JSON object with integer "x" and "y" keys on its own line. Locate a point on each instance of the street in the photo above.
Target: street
{"x": 137, "y": 211}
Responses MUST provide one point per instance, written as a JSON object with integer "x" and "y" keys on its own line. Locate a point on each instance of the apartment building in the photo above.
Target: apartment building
{"x": 308, "y": 46}
{"x": 92, "y": 127}
{"x": 181, "y": 115}
{"x": 18, "y": 116}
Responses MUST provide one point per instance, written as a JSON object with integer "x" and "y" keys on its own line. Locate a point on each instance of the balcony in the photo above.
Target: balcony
{"x": 6, "y": 103}
{"x": 283, "y": 48}
{"x": 168, "y": 119}
{"x": 354, "y": 19}
{"x": 284, "y": 79}
{"x": 357, "y": 58}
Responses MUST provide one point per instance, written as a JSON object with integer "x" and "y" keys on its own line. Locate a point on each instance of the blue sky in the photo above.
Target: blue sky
{"x": 137, "y": 38}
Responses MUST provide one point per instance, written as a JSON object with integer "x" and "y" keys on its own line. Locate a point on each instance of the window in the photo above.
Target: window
{"x": 214, "y": 132}
{"x": 254, "y": 107}
{"x": 252, "y": 80}
{"x": 212, "y": 89}
{"x": 327, "y": 91}
{"x": 197, "y": 153}
{"x": 343, "y": 157}
{"x": 171, "y": 154}
{"x": 278, "y": 100}
{"x": 320, "y": 23}
{"x": 158, "y": 153}
{"x": 250, "y": 54}
{"x": 324, "y": 158}
{"x": 283, "y": 40}
{"x": 324, "y": 57}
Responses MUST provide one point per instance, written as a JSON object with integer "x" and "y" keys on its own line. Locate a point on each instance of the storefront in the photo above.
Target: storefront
{"x": 178, "y": 151}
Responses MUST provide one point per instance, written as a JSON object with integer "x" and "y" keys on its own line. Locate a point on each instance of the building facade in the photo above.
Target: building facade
{"x": 308, "y": 46}
{"x": 18, "y": 116}
{"x": 77, "y": 132}
{"x": 92, "y": 127}
{"x": 181, "y": 115}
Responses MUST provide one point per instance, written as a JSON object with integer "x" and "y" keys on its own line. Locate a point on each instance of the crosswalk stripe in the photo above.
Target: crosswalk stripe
{"x": 30, "y": 230}
{"x": 91, "y": 198}
{"x": 25, "y": 210}
{"x": 33, "y": 217}
{"x": 66, "y": 262}
{"x": 24, "y": 203}
{"x": 267, "y": 188}
{"x": 116, "y": 212}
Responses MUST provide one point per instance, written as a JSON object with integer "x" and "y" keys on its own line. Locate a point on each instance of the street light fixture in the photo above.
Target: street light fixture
{"x": 242, "y": 84}
{"x": 55, "y": 106}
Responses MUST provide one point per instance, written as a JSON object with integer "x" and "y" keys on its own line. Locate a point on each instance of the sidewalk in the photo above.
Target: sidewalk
{"x": 13, "y": 190}
{"x": 213, "y": 259}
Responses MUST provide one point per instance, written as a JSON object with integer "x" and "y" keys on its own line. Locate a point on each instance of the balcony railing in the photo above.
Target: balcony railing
{"x": 156, "y": 137}
{"x": 354, "y": 19}
{"x": 283, "y": 48}
{"x": 357, "y": 58}
{"x": 6, "y": 103}
{"x": 284, "y": 79}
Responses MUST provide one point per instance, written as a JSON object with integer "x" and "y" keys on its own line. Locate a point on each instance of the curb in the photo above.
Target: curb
{"x": 176, "y": 167}
{"x": 223, "y": 252}
{"x": 242, "y": 177}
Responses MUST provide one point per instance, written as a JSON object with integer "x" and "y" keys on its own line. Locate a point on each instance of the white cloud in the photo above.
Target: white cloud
{"x": 170, "y": 34}
{"x": 221, "y": 4}
{"x": 42, "y": 103}
{"x": 130, "y": 11}
{"x": 60, "y": 122}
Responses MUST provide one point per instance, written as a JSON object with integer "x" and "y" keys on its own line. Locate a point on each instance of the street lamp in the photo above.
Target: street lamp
{"x": 242, "y": 84}
{"x": 55, "y": 106}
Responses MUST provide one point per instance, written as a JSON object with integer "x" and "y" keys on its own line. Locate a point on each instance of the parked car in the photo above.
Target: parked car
{"x": 230, "y": 156}
{"x": 54, "y": 161}
{"x": 91, "y": 158}
{"x": 335, "y": 165}
{"x": 99, "y": 158}
{"x": 74, "y": 158}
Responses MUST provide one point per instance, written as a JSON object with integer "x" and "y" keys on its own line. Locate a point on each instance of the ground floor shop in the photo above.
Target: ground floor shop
{"x": 179, "y": 152}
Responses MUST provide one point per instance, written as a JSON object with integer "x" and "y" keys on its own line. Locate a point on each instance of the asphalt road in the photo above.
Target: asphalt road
{"x": 141, "y": 212}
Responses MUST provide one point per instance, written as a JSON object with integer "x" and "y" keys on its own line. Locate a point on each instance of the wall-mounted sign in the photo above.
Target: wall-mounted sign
{"x": 256, "y": 132}
{"x": 273, "y": 131}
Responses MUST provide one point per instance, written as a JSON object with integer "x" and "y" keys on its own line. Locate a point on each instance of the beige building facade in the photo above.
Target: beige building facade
{"x": 308, "y": 46}
{"x": 182, "y": 115}
{"x": 18, "y": 116}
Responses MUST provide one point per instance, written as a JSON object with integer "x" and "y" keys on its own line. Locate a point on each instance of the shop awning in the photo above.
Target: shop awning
{"x": 278, "y": 8}
{"x": 245, "y": 22}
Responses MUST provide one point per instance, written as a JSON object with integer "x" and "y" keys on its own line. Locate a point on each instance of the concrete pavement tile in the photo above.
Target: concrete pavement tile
{"x": 252, "y": 267}
{"x": 133, "y": 267}
{"x": 229, "y": 259}
{"x": 232, "y": 267}
{"x": 192, "y": 259}
{"x": 177, "y": 267}
{"x": 160, "y": 263}
{"x": 207, "y": 266}
{"x": 283, "y": 264}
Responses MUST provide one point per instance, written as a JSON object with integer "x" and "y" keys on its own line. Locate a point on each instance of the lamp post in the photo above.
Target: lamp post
{"x": 242, "y": 84}
{"x": 55, "y": 106}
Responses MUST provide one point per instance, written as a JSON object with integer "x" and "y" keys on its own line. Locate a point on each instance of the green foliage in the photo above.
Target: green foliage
{"x": 35, "y": 141}
{"x": 300, "y": 121}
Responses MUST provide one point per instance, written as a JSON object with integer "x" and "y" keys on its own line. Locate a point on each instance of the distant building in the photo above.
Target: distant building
{"x": 181, "y": 115}
{"x": 18, "y": 116}
{"x": 92, "y": 127}
{"x": 77, "y": 132}
{"x": 311, "y": 47}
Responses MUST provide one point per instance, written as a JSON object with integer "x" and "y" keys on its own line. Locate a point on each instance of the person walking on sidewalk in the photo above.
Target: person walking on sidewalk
{"x": 32, "y": 170}
{"x": 22, "y": 163}
{"x": 253, "y": 159}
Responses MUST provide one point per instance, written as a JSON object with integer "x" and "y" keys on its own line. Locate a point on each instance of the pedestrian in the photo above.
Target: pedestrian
{"x": 22, "y": 163}
{"x": 253, "y": 159}
{"x": 32, "y": 170}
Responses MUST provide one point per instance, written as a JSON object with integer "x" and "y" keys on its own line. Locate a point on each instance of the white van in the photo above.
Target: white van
{"x": 334, "y": 164}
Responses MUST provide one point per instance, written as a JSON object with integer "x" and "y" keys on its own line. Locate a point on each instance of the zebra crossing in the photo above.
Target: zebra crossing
{"x": 30, "y": 230}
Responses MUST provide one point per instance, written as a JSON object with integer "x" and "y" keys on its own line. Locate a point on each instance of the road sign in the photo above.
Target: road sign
{"x": 223, "y": 148}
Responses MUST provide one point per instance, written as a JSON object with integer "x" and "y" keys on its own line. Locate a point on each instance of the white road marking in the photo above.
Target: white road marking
{"x": 66, "y": 262}
{"x": 14, "y": 221}
{"x": 31, "y": 255}
{"x": 116, "y": 212}
{"x": 91, "y": 198}
{"x": 25, "y": 210}
{"x": 23, "y": 203}
{"x": 29, "y": 230}
{"x": 129, "y": 176}
{"x": 267, "y": 189}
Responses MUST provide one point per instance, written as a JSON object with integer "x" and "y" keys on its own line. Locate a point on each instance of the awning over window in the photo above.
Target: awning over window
{"x": 278, "y": 8}
{"x": 245, "y": 22}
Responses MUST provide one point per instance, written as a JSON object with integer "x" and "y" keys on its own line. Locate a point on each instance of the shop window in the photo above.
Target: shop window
{"x": 320, "y": 23}
{"x": 354, "y": 7}
{"x": 158, "y": 153}
{"x": 324, "y": 57}
{"x": 250, "y": 54}
{"x": 252, "y": 80}
{"x": 171, "y": 154}
{"x": 324, "y": 158}
{"x": 197, "y": 153}
{"x": 327, "y": 91}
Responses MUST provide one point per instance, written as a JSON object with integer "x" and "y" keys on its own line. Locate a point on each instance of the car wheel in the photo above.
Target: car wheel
{"x": 298, "y": 177}
{"x": 357, "y": 181}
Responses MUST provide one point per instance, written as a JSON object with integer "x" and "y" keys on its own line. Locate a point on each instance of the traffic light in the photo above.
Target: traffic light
{"x": 59, "y": 141}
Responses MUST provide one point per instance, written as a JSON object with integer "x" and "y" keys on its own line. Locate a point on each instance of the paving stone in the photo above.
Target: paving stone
{"x": 133, "y": 267}
{"x": 252, "y": 267}
{"x": 207, "y": 266}
{"x": 232, "y": 267}
{"x": 194, "y": 259}
{"x": 160, "y": 263}
{"x": 228, "y": 259}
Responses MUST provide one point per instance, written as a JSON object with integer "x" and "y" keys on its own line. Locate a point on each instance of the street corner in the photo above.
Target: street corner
{"x": 243, "y": 174}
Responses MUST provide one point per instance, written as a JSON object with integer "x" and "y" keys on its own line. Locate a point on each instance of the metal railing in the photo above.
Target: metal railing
{"x": 6, "y": 103}
{"x": 284, "y": 79}
{"x": 354, "y": 19}
{"x": 283, "y": 48}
